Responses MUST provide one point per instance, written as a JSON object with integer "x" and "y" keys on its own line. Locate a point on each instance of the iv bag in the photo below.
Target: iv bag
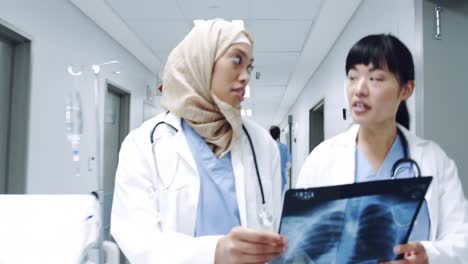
{"x": 74, "y": 125}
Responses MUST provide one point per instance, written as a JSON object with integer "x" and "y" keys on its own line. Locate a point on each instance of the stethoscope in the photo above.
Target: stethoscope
{"x": 265, "y": 217}
{"x": 398, "y": 165}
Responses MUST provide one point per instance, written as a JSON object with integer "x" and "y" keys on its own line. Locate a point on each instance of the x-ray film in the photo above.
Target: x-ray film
{"x": 354, "y": 223}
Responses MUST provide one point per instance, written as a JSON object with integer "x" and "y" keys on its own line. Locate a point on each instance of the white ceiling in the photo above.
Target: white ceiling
{"x": 291, "y": 38}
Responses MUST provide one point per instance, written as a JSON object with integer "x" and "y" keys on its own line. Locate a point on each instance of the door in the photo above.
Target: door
{"x": 15, "y": 91}
{"x": 316, "y": 125}
{"x": 6, "y": 63}
{"x": 116, "y": 126}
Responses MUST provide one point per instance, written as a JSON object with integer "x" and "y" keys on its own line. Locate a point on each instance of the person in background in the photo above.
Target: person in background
{"x": 198, "y": 184}
{"x": 275, "y": 133}
{"x": 380, "y": 78}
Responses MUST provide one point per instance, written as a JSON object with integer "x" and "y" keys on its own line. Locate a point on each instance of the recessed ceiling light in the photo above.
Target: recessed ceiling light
{"x": 111, "y": 62}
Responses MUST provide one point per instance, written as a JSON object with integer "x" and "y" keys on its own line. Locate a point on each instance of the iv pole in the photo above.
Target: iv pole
{"x": 99, "y": 173}
{"x": 99, "y": 193}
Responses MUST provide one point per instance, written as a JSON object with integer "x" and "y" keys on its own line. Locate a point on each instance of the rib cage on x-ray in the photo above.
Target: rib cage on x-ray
{"x": 358, "y": 230}
{"x": 376, "y": 234}
{"x": 326, "y": 234}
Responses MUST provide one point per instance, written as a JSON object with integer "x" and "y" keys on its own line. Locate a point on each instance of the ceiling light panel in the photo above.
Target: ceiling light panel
{"x": 279, "y": 35}
{"x": 209, "y": 9}
{"x": 161, "y": 35}
{"x": 144, "y": 10}
{"x": 280, "y": 9}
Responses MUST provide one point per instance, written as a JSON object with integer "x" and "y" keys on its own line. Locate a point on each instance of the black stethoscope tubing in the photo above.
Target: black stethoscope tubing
{"x": 251, "y": 147}
{"x": 406, "y": 158}
{"x": 255, "y": 162}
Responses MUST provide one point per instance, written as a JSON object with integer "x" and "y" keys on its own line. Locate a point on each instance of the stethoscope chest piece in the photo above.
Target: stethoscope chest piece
{"x": 265, "y": 218}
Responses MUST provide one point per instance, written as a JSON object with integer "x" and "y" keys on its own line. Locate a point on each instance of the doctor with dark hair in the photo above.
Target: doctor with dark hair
{"x": 380, "y": 78}
{"x": 275, "y": 133}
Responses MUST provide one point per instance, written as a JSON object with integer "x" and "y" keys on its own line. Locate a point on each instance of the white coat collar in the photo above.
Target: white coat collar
{"x": 239, "y": 174}
{"x": 181, "y": 146}
{"x": 417, "y": 146}
{"x": 348, "y": 142}
{"x": 180, "y": 143}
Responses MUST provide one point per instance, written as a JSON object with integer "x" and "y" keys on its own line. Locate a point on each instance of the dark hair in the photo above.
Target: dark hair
{"x": 275, "y": 132}
{"x": 385, "y": 50}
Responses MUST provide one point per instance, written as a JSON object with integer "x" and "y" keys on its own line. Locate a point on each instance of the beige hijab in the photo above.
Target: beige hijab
{"x": 187, "y": 84}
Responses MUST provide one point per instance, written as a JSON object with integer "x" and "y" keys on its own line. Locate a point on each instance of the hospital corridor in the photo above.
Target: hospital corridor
{"x": 201, "y": 131}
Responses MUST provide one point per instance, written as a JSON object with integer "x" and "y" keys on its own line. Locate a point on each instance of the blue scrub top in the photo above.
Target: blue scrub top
{"x": 285, "y": 158}
{"x": 217, "y": 211}
{"x": 365, "y": 172}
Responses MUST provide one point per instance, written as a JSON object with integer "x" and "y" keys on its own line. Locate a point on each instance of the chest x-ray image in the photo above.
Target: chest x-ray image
{"x": 347, "y": 224}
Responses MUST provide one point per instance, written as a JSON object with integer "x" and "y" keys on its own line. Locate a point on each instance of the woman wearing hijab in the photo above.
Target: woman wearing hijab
{"x": 198, "y": 184}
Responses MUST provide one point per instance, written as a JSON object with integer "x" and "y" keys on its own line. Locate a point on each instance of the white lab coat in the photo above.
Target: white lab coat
{"x": 152, "y": 225}
{"x": 333, "y": 163}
